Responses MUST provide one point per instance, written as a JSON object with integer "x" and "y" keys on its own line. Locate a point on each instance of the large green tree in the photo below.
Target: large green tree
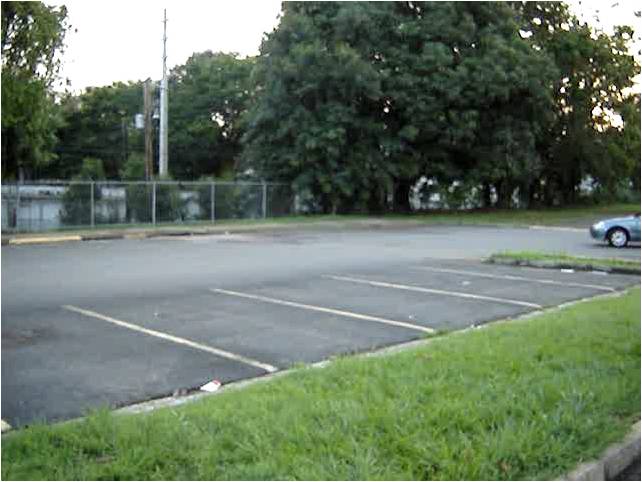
{"x": 32, "y": 41}
{"x": 596, "y": 71}
{"x": 311, "y": 121}
{"x": 464, "y": 96}
{"x": 98, "y": 123}
{"x": 353, "y": 97}
{"x": 207, "y": 96}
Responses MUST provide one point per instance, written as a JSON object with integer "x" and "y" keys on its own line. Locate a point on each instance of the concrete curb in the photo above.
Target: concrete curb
{"x": 161, "y": 231}
{"x": 558, "y": 265}
{"x": 558, "y": 228}
{"x": 222, "y": 229}
{"x": 143, "y": 233}
{"x": 613, "y": 461}
{"x": 44, "y": 239}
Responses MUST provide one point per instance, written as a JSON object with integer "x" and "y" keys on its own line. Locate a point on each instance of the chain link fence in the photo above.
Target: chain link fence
{"x": 54, "y": 205}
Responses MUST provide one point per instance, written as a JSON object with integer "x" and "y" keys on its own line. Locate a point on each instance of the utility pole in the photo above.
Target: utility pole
{"x": 149, "y": 146}
{"x": 162, "y": 147}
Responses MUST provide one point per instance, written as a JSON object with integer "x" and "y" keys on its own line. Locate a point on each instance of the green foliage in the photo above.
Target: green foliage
{"x": 208, "y": 94}
{"x": 139, "y": 196}
{"x": 140, "y": 200}
{"x": 134, "y": 168}
{"x": 170, "y": 205}
{"x": 351, "y": 103}
{"x": 595, "y": 72}
{"x": 99, "y": 123}
{"x": 91, "y": 169}
{"x": 32, "y": 39}
{"x": 76, "y": 200}
{"x": 356, "y": 96}
{"x": 231, "y": 200}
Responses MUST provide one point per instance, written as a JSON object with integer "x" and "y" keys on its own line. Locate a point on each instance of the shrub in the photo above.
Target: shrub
{"x": 76, "y": 201}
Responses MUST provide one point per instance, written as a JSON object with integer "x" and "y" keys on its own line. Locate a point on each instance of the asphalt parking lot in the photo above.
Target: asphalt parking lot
{"x": 81, "y": 345}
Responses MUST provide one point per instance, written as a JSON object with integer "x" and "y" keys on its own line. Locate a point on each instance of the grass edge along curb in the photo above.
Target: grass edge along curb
{"x": 564, "y": 261}
{"x": 614, "y": 460}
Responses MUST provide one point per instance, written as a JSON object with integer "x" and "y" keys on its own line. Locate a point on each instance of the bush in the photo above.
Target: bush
{"x": 134, "y": 168}
{"x": 170, "y": 206}
{"x": 76, "y": 201}
{"x": 232, "y": 201}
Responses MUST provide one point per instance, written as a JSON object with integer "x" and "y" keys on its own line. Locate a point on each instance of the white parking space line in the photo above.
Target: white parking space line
{"x": 515, "y": 278}
{"x": 176, "y": 339}
{"x": 420, "y": 289}
{"x": 348, "y": 314}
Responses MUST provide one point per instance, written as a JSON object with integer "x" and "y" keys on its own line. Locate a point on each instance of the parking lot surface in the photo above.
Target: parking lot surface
{"x": 113, "y": 323}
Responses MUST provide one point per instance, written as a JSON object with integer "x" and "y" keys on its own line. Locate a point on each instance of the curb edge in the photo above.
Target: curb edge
{"x": 614, "y": 460}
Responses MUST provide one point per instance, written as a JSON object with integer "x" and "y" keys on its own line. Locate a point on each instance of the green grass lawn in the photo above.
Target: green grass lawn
{"x": 571, "y": 216}
{"x": 562, "y": 259}
{"x": 522, "y": 400}
{"x": 580, "y": 216}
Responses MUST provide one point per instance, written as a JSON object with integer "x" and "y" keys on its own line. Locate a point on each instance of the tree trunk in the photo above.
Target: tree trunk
{"x": 376, "y": 201}
{"x": 486, "y": 199}
{"x": 504, "y": 194}
{"x": 401, "y": 199}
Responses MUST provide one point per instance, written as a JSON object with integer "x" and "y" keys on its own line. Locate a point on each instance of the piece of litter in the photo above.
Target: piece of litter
{"x": 567, "y": 270}
{"x": 211, "y": 386}
{"x": 465, "y": 283}
{"x": 602, "y": 273}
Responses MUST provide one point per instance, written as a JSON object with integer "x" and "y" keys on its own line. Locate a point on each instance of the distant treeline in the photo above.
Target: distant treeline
{"x": 352, "y": 103}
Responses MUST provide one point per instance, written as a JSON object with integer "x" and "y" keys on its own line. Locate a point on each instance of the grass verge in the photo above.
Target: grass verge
{"x": 522, "y": 400}
{"x": 563, "y": 260}
{"x": 581, "y": 216}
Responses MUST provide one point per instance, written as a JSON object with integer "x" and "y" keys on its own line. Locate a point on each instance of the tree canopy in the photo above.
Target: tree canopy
{"x": 208, "y": 94}
{"x": 356, "y": 103}
{"x": 354, "y": 97}
{"x": 98, "y": 124}
{"x": 32, "y": 41}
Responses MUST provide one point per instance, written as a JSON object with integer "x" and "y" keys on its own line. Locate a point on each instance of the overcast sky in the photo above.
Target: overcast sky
{"x": 122, "y": 40}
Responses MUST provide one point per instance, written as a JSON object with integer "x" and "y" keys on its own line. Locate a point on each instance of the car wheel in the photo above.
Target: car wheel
{"x": 618, "y": 238}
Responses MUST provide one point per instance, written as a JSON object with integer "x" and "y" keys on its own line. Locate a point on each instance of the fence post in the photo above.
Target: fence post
{"x": 17, "y": 206}
{"x": 212, "y": 200}
{"x": 264, "y": 203}
{"x": 93, "y": 209}
{"x": 154, "y": 202}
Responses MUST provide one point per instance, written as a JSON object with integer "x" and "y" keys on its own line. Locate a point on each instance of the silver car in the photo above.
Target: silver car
{"x": 618, "y": 231}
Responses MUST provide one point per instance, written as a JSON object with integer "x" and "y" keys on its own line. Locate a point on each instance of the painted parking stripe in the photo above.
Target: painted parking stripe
{"x": 348, "y": 314}
{"x": 44, "y": 239}
{"x": 516, "y": 278}
{"x": 420, "y": 289}
{"x": 176, "y": 339}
